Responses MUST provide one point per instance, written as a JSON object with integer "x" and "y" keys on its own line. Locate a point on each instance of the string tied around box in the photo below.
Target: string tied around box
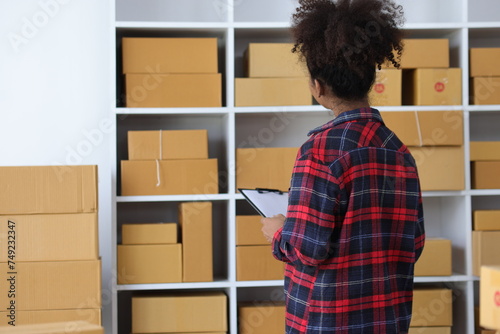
{"x": 158, "y": 174}
{"x": 419, "y": 130}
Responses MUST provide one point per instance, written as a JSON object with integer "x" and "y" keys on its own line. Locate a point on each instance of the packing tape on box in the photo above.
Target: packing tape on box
{"x": 418, "y": 129}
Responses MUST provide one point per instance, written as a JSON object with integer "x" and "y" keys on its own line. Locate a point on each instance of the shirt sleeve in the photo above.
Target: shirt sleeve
{"x": 419, "y": 231}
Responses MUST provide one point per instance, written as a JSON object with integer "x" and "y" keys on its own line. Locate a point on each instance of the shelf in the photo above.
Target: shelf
{"x": 174, "y": 198}
{"x": 440, "y": 279}
{"x": 173, "y": 286}
{"x": 484, "y": 192}
{"x": 171, "y": 25}
{"x": 484, "y": 108}
{"x": 482, "y": 25}
{"x": 171, "y": 111}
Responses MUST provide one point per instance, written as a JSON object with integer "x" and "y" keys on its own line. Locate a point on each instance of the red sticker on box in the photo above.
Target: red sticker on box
{"x": 379, "y": 88}
{"x": 439, "y": 87}
{"x": 497, "y": 298}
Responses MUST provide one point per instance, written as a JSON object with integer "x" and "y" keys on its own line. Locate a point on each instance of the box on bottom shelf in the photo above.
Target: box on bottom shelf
{"x": 257, "y": 263}
{"x": 435, "y": 301}
{"x": 80, "y": 327}
{"x": 92, "y": 316}
{"x": 485, "y": 175}
{"x": 261, "y": 318}
{"x": 431, "y": 265}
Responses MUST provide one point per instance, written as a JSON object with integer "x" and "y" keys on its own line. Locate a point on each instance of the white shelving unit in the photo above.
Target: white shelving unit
{"x": 467, "y": 23}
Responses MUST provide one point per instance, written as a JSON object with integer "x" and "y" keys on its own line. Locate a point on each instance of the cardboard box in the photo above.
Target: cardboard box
{"x": 485, "y": 90}
{"x": 437, "y": 128}
{"x": 431, "y": 265}
{"x": 261, "y": 318}
{"x": 484, "y": 250}
{"x": 487, "y": 220}
{"x": 192, "y": 312}
{"x": 432, "y": 307}
{"x": 266, "y": 92}
{"x": 92, "y": 316}
{"x": 58, "y": 285}
{"x": 489, "y": 297}
{"x": 426, "y": 53}
{"x": 430, "y": 86}
{"x": 265, "y": 167}
{"x": 142, "y": 264}
{"x": 387, "y": 88}
{"x": 48, "y": 189}
{"x": 440, "y": 168}
{"x": 429, "y": 330}
{"x": 169, "y": 55}
{"x": 195, "y": 222}
{"x": 486, "y": 175}
{"x": 173, "y": 90}
{"x": 149, "y": 234}
{"x": 255, "y": 263}
{"x": 50, "y": 237}
{"x": 176, "y": 177}
{"x": 485, "y": 150}
{"x": 268, "y": 60}
{"x": 80, "y": 327}
{"x": 484, "y": 62}
{"x": 248, "y": 231}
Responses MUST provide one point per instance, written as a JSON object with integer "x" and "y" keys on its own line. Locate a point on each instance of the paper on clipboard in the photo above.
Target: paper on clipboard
{"x": 268, "y": 202}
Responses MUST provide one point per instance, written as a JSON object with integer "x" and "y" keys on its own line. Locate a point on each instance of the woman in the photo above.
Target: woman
{"x": 354, "y": 226}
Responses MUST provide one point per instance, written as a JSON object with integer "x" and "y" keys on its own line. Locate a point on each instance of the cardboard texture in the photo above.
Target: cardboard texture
{"x": 169, "y": 55}
{"x": 426, "y": 53}
{"x": 174, "y": 144}
{"x": 193, "y": 312}
{"x": 149, "y": 234}
{"x": 173, "y": 90}
{"x": 437, "y": 128}
{"x": 485, "y": 90}
{"x": 265, "y": 92}
{"x": 80, "y": 327}
{"x": 176, "y": 177}
{"x": 265, "y": 167}
{"x": 141, "y": 264}
{"x": 484, "y": 62}
{"x": 440, "y": 168}
{"x": 92, "y": 316}
{"x": 484, "y": 250}
{"x": 48, "y": 189}
{"x": 261, "y": 318}
{"x": 387, "y": 88}
{"x": 264, "y": 60}
{"x": 487, "y": 220}
{"x": 432, "y": 307}
{"x": 52, "y": 285}
{"x": 255, "y": 263}
{"x": 431, "y": 265}
{"x": 195, "y": 223}
{"x": 485, "y": 150}
{"x": 485, "y": 175}
{"x": 248, "y": 231}
{"x": 489, "y": 298}
{"x": 426, "y": 87}
{"x": 429, "y": 330}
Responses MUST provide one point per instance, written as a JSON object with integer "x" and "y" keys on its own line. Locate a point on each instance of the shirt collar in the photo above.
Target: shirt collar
{"x": 349, "y": 116}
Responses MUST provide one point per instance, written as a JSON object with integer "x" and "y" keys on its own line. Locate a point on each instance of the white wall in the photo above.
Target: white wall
{"x": 54, "y": 93}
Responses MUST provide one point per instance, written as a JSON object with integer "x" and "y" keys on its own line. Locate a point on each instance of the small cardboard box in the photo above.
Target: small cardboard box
{"x": 143, "y": 264}
{"x": 431, "y": 265}
{"x": 92, "y": 316}
{"x": 432, "y": 307}
{"x": 489, "y": 297}
{"x": 169, "y": 55}
{"x": 429, "y": 330}
{"x": 195, "y": 223}
{"x": 255, "y": 263}
{"x": 169, "y": 177}
{"x": 484, "y": 250}
{"x": 485, "y": 90}
{"x": 48, "y": 189}
{"x": 487, "y": 220}
{"x": 179, "y": 313}
{"x": 484, "y": 62}
{"x": 425, "y": 87}
{"x": 81, "y": 327}
{"x": 387, "y": 88}
{"x": 265, "y": 60}
{"x": 149, "y": 234}
{"x": 248, "y": 231}
{"x": 261, "y": 318}
{"x": 485, "y": 175}
{"x": 485, "y": 150}
{"x": 174, "y": 144}
{"x": 265, "y": 167}
{"x": 426, "y": 53}
{"x": 266, "y": 92}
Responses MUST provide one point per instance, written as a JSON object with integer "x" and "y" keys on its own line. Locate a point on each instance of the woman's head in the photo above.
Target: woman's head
{"x": 344, "y": 41}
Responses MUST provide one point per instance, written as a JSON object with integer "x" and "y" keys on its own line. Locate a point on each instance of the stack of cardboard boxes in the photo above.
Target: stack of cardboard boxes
{"x": 432, "y": 311}
{"x": 485, "y": 158}
{"x": 485, "y": 239}
{"x": 485, "y": 75}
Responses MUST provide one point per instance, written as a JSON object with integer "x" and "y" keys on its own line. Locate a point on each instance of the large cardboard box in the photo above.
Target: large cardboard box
{"x": 430, "y": 86}
{"x": 169, "y": 55}
{"x": 486, "y": 175}
{"x": 484, "y": 250}
{"x": 48, "y": 189}
{"x": 265, "y": 60}
{"x": 57, "y": 285}
{"x": 485, "y": 150}
{"x": 248, "y": 231}
{"x": 265, "y": 167}
{"x": 426, "y": 53}
{"x": 489, "y": 297}
{"x": 169, "y": 177}
{"x": 142, "y": 264}
{"x": 440, "y": 168}
{"x": 81, "y": 327}
{"x": 255, "y": 263}
{"x": 195, "y": 222}
{"x": 266, "y": 92}
{"x": 429, "y": 330}
{"x": 261, "y": 318}
{"x": 178, "y": 313}
{"x": 149, "y": 234}
{"x": 487, "y": 220}
{"x": 387, "y": 88}
{"x": 92, "y": 316}
{"x": 173, "y": 90}
{"x": 431, "y": 265}
{"x": 167, "y": 144}
{"x": 485, "y": 90}
{"x": 484, "y": 62}
{"x": 432, "y": 307}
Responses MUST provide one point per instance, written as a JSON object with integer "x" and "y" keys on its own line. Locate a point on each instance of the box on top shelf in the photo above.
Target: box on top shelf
{"x": 431, "y": 265}
{"x": 484, "y": 62}
{"x": 81, "y": 327}
{"x": 485, "y": 90}
{"x": 257, "y": 263}
{"x": 425, "y": 53}
{"x": 265, "y": 60}
{"x": 485, "y": 150}
{"x": 487, "y": 220}
{"x": 485, "y": 175}
{"x": 484, "y": 250}
{"x": 426, "y": 301}
{"x": 271, "y": 317}
{"x": 248, "y": 231}
{"x": 489, "y": 298}
{"x": 387, "y": 88}
{"x": 431, "y": 86}
{"x": 149, "y": 234}
{"x": 91, "y": 315}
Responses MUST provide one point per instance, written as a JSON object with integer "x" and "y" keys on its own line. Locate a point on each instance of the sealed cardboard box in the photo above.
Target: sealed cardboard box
{"x": 173, "y": 90}
{"x": 485, "y": 250}
{"x": 430, "y": 86}
{"x": 429, "y": 330}
{"x": 141, "y": 264}
{"x": 266, "y": 60}
{"x": 484, "y": 62}
{"x": 485, "y": 175}
{"x": 169, "y": 177}
{"x": 248, "y": 231}
{"x": 59, "y": 189}
{"x": 265, "y": 92}
{"x": 489, "y": 298}
{"x": 179, "y": 313}
{"x": 386, "y": 90}
{"x": 485, "y": 150}
{"x": 487, "y": 220}
{"x": 265, "y": 167}
{"x": 431, "y": 265}
{"x": 261, "y": 318}
{"x": 149, "y": 234}
{"x": 195, "y": 222}
{"x": 485, "y": 90}
{"x": 169, "y": 55}
{"x": 81, "y": 327}
{"x": 426, "y": 53}
{"x": 92, "y": 316}
{"x": 257, "y": 263}
{"x": 432, "y": 301}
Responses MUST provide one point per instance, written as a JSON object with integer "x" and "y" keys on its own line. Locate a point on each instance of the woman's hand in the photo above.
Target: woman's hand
{"x": 271, "y": 225}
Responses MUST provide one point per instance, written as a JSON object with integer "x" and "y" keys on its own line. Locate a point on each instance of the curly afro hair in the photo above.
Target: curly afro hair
{"x": 344, "y": 41}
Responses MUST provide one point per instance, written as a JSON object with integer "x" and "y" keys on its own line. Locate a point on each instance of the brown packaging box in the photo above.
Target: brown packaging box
{"x": 485, "y": 90}
{"x": 487, "y": 220}
{"x": 92, "y": 316}
{"x": 485, "y": 150}
{"x": 195, "y": 223}
{"x": 387, "y": 88}
{"x": 149, "y": 234}
{"x": 257, "y": 263}
{"x": 81, "y": 327}
{"x": 489, "y": 297}
{"x": 264, "y": 60}
{"x": 430, "y": 86}
{"x": 429, "y": 330}
{"x": 484, "y": 62}
{"x": 432, "y": 307}
{"x": 248, "y": 231}
{"x": 484, "y": 250}
{"x": 261, "y": 318}
{"x": 426, "y": 53}
{"x": 485, "y": 175}
{"x": 431, "y": 265}
{"x": 266, "y": 92}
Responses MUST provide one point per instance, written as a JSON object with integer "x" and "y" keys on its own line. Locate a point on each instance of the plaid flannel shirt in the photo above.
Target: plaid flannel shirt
{"x": 353, "y": 231}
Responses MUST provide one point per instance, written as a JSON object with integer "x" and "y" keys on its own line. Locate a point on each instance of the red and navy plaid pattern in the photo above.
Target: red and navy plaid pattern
{"x": 353, "y": 230}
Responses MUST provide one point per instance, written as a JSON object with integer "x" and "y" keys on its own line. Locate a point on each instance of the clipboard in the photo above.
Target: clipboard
{"x": 267, "y": 202}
